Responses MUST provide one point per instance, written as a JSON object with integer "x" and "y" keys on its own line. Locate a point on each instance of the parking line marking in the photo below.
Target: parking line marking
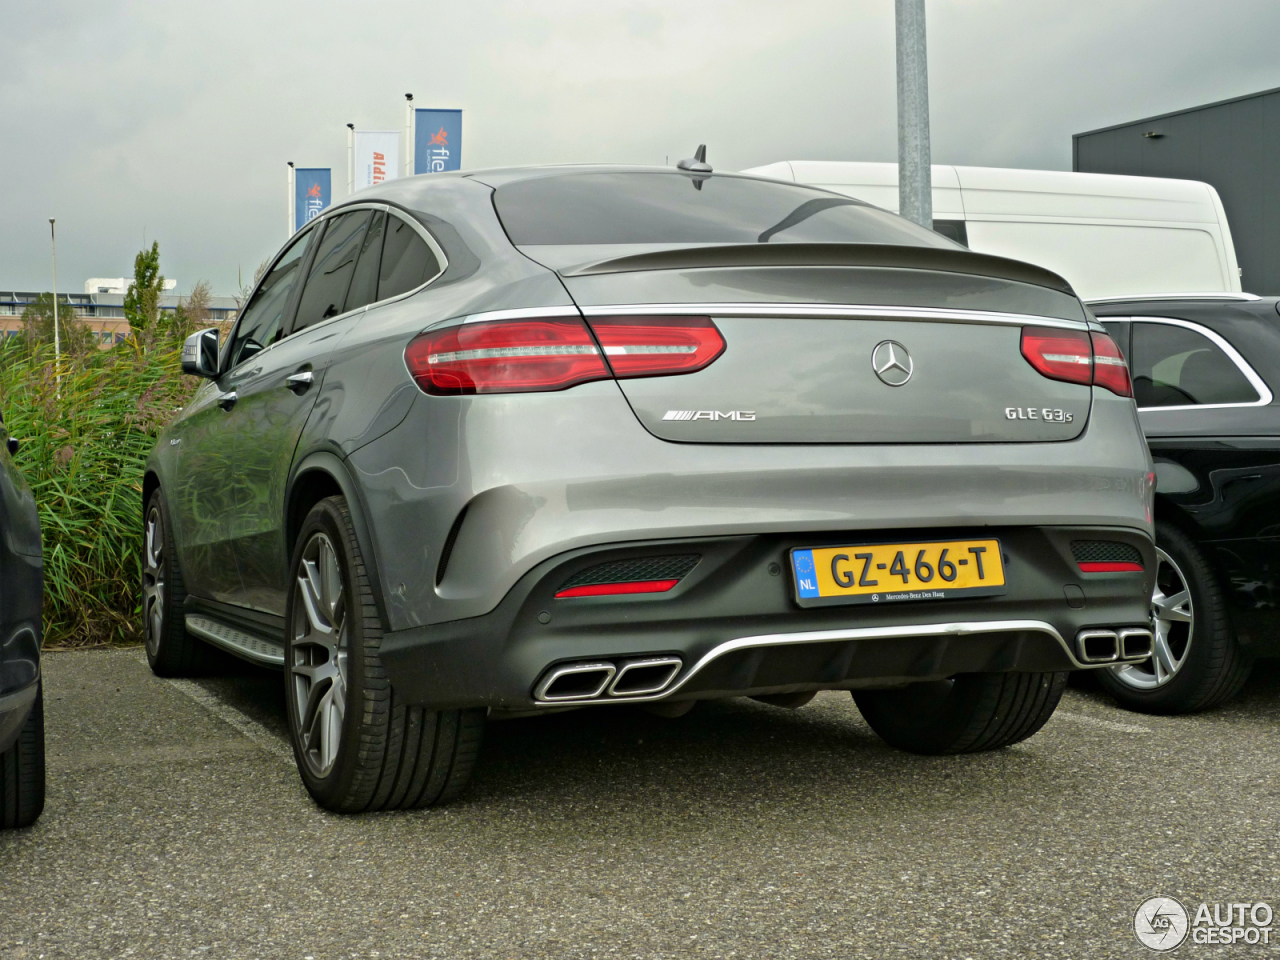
{"x": 1095, "y": 722}
{"x": 250, "y": 728}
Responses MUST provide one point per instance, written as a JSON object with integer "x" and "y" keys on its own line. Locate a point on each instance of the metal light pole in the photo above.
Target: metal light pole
{"x": 915, "y": 181}
{"x": 351, "y": 159}
{"x": 408, "y": 134}
{"x": 291, "y": 203}
{"x": 57, "y": 339}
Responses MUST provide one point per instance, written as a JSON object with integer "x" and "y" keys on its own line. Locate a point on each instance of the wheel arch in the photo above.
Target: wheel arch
{"x": 320, "y": 475}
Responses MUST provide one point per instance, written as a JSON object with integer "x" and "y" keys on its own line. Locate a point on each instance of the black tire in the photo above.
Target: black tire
{"x": 22, "y": 771}
{"x": 171, "y": 651}
{"x": 1212, "y": 667}
{"x": 968, "y": 713}
{"x": 357, "y": 746}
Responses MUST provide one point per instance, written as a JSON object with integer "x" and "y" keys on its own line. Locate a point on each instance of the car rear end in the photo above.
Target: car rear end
{"x": 781, "y": 443}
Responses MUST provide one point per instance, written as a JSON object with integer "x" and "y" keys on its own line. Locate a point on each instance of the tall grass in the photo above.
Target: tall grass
{"x": 84, "y": 442}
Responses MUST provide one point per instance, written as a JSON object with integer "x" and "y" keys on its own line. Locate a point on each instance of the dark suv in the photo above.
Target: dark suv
{"x": 21, "y": 592}
{"x": 1203, "y": 368}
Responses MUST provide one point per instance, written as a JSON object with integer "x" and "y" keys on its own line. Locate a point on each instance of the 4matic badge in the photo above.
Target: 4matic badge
{"x": 709, "y": 415}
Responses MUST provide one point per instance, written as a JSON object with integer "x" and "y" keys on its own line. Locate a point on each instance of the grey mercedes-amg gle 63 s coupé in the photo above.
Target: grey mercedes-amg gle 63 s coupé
{"x": 514, "y": 441}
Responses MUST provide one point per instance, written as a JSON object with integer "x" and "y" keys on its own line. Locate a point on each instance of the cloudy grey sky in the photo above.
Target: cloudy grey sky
{"x": 173, "y": 120}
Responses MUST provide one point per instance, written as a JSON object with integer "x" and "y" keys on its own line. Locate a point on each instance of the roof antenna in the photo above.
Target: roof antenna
{"x": 697, "y": 165}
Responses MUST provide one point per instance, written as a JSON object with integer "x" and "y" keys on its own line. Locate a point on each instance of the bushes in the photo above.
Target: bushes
{"x": 84, "y": 444}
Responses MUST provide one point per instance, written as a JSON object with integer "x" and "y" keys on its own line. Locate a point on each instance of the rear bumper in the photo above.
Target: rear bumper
{"x": 735, "y": 627}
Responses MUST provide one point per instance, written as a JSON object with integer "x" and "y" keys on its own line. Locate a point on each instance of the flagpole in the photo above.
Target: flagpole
{"x": 351, "y": 159}
{"x": 57, "y": 340}
{"x": 293, "y": 221}
{"x": 408, "y": 134}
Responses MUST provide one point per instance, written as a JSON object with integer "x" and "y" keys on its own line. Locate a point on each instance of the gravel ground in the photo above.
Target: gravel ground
{"x": 176, "y": 826}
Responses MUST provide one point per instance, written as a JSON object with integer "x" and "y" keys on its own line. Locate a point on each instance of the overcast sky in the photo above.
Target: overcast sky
{"x": 172, "y": 121}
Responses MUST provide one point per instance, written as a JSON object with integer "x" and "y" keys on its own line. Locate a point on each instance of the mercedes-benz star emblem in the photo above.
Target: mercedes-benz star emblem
{"x": 892, "y": 363}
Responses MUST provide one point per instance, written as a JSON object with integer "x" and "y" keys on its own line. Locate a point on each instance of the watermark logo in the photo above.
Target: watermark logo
{"x": 1161, "y": 923}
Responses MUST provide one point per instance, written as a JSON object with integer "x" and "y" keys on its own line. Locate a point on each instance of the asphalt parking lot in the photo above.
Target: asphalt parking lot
{"x": 177, "y": 827}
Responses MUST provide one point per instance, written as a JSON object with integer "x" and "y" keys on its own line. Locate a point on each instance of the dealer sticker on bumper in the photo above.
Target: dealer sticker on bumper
{"x": 882, "y": 572}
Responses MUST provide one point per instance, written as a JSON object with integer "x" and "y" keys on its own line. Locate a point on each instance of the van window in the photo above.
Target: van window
{"x": 1173, "y": 366}
{"x": 622, "y": 208}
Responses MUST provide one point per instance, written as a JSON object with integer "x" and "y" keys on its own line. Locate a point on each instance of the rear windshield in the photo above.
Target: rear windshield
{"x": 609, "y": 208}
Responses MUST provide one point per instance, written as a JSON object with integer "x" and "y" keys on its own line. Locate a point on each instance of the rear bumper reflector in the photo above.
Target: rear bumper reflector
{"x": 613, "y": 589}
{"x": 1110, "y": 566}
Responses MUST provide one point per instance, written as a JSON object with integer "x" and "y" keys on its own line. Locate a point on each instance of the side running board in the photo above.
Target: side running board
{"x": 245, "y": 645}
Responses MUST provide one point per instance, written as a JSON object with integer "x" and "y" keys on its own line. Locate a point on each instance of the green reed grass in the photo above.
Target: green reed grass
{"x": 84, "y": 442}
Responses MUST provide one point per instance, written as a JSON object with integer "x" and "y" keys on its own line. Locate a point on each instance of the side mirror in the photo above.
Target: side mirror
{"x": 200, "y": 353}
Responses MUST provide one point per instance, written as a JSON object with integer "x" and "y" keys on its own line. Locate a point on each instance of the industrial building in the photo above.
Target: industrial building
{"x": 103, "y": 313}
{"x": 1233, "y": 145}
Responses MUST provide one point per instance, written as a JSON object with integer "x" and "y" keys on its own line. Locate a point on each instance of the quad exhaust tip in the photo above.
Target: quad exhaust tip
{"x": 1128, "y": 645}
{"x": 642, "y": 676}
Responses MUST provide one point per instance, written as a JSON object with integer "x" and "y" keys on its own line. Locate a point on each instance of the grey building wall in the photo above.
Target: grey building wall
{"x": 1233, "y": 145}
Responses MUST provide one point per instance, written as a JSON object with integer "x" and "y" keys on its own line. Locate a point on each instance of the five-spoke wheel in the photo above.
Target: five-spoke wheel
{"x": 1173, "y": 615}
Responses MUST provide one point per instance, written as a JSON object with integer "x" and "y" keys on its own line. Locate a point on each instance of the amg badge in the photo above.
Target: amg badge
{"x": 709, "y": 415}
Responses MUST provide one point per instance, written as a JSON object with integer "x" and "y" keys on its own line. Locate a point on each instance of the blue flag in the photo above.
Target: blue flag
{"x": 312, "y": 194}
{"x": 437, "y": 140}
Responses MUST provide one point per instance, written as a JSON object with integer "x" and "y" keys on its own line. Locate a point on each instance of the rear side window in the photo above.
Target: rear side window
{"x": 364, "y": 283}
{"x": 407, "y": 261}
{"x": 332, "y": 269}
{"x": 609, "y": 208}
{"x": 1174, "y": 366}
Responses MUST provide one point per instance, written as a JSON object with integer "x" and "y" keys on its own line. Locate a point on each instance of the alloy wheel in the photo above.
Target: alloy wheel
{"x": 153, "y": 576}
{"x": 1174, "y": 619}
{"x": 318, "y": 655}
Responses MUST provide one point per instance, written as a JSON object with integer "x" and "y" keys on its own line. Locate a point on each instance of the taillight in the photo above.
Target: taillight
{"x": 1059, "y": 354}
{"x": 1109, "y": 368}
{"x": 1077, "y": 357}
{"x": 505, "y": 356}
{"x": 653, "y": 346}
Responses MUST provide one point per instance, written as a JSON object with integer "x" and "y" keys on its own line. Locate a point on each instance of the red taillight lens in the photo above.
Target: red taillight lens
{"x": 653, "y": 346}
{"x": 1059, "y": 354}
{"x": 1109, "y": 368}
{"x": 1077, "y": 357}
{"x": 505, "y": 356}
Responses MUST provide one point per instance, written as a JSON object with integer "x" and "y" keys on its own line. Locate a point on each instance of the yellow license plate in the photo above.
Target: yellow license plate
{"x": 880, "y": 572}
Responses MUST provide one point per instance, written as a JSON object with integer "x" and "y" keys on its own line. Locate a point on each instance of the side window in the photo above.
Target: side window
{"x": 1173, "y": 366}
{"x": 332, "y": 268}
{"x": 259, "y": 324}
{"x": 364, "y": 283}
{"x": 407, "y": 261}
{"x": 1118, "y": 330}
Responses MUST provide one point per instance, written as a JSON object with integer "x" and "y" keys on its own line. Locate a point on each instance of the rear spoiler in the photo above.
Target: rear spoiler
{"x": 827, "y": 255}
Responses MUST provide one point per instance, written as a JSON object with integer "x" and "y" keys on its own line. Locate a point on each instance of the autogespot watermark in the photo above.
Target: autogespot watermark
{"x": 1163, "y": 923}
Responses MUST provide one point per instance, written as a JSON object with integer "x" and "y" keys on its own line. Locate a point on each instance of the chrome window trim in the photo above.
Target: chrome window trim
{"x": 1259, "y": 385}
{"x": 1139, "y": 297}
{"x": 955, "y": 629}
{"x": 819, "y": 310}
{"x": 520, "y": 313}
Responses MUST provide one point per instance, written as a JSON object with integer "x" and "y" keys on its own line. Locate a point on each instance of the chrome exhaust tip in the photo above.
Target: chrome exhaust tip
{"x": 649, "y": 675}
{"x": 574, "y": 681}
{"x": 1098, "y": 646}
{"x": 1136, "y": 643}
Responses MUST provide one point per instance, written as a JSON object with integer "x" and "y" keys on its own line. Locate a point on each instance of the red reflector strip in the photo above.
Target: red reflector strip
{"x": 1110, "y": 566}
{"x": 613, "y": 589}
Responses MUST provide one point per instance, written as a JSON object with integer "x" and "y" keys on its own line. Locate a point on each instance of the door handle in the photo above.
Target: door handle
{"x": 227, "y": 400}
{"x": 300, "y": 382}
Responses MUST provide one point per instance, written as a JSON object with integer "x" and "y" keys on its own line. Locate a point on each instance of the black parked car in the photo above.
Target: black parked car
{"x": 1203, "y": 371}
{"x": 21, "y": 595}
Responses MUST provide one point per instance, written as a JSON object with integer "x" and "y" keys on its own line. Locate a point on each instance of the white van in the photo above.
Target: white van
{"x": 1107, "y": 235}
